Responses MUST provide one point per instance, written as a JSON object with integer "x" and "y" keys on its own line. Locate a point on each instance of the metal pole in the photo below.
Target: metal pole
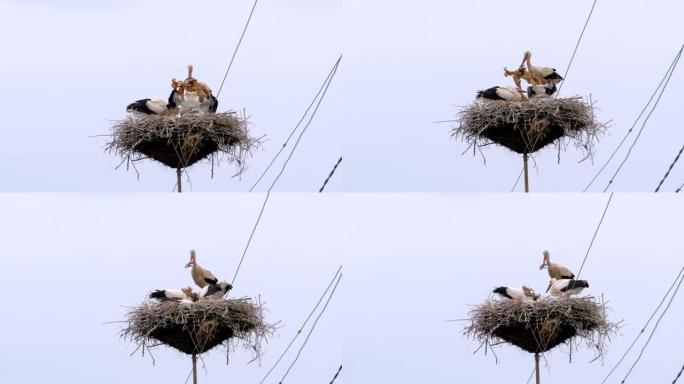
{"x": 194, "y": 369}
{"x": 179, "y": 173}
{"x": 527, "y": 179}
{"x": 536, "y": 366}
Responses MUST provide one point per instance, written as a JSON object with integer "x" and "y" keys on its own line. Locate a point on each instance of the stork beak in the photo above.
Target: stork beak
{"x": 549, "y": 287}
{"x": 542, "y": 266}
{"x": 188, "y": 265}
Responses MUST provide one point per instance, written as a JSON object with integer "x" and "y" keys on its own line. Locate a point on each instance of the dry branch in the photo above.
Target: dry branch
{"x": 525, "y": 127}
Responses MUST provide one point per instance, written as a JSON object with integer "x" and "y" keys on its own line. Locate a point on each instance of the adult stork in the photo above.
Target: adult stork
{"x": 567, "y": 287}
{"x": 556, "y": 271}
{"x": 185, "y": 295}
{"x": 215, "y": 291}
{"x": 541, "y": 90}
{"x": 200, "y": 276}
{"x": 544, "y": 74}
{"x": 501, "y": 93}
{"x": 155, "y": 106}
{"x": 524, "y": 294}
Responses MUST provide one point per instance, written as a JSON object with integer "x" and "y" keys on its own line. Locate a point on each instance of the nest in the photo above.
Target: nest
{"x": 181, "y": 141}
{"x": 526, "y": 127}
{"x": 541, "y": 325}
{"x": 198, "y": 327}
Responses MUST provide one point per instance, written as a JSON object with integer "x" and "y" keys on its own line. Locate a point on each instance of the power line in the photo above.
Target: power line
{"x": 313, "y": 326}
{"x": 268, "y": 193}
{"x": 595, "y": 233}
{"x": 330, "y": 175}
{"x": 643, "y": 124}
{"x": 669, "y": 169}
{"x": 680, "y": 188}
{"x": 641, "y": 353}
{"x": 624, "y": 138}
{"x": 576, "y": 46}
{"x": 306, "y": 112}
{"x": 645, "y": 326}
{"x": 518, "y": 179}
{"x": 673, "y": 381}
{"x": 340, "y": 369}
{"x": 236, "y": 48}
{"x": 303, "y": 325}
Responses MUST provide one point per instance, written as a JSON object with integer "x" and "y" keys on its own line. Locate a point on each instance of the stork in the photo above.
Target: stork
{"x": 200, "y": 276}
{"x": 541, "y": 90}
{"x": 556, "y": 271}
{"x": 215, "y": 291}
{"x": 524, "y": 294}
{"x": 544, "y": 74}
{"x": 501, "y": 93}
{"x": 567, "y": 287}
{"x": 155, "y": 106}
{"x": 185, "y": 295}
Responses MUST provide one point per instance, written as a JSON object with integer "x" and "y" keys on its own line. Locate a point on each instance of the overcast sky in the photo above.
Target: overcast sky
{"x": 74, "y": 262}
{"x": 409, "y": 64}
{"x": 84, "y": 61}
{"x": 422, "y": 259}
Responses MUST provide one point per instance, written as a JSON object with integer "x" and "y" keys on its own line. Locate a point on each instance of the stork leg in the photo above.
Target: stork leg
{"x": 179, "y": 179}
{"x": 527, "y": 179}
{"x": 536, "y": 366}
{"x": 194, "y": 368}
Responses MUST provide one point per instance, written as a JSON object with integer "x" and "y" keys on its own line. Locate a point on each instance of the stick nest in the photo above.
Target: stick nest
{"x": 526, "y": 127}
{"x": 198, "y": 327}
{"x": 181, "y": 141}
{"x": 541, "y": 325}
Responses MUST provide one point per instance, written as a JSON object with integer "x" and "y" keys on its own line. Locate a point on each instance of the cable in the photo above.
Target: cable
{"x": 673, "y": 381}
{"x": 610, "y": 182}
{"x": 330, "y": 175}
{"x": 680, "y": 188}
{"x": 669, "y": 169}
{"x": 313, "y": 326}
{"x": 576, "y": 46}
{"x": 518, "y": 179}
{"x": 644, "y": 327}
{"x": 595, "y": 233}
{"x": 268, "y": 193}
{"x": 653, "y": 331}
{"x": 633, "y": 125}
{"x": 306, "y": 112}
{"x": 340, "y": 369}
{"x": 236, "y": 48}
{"x": 303, "y": 325}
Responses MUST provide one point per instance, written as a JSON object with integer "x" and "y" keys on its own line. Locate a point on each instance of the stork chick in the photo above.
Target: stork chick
{"x": 178, "y": 295}
{"x": 541, "y": 74}
{"x": 556, "y": 271}
{"x": 567, "y": 287}
{"x": 215, "y": 291}
{"x": 154, "y": 106}
{"x": 200, "y": 276}
{"x": 501, "y": 93}
{"x": 524, "y": 294}
{"x": 541, "y": 90}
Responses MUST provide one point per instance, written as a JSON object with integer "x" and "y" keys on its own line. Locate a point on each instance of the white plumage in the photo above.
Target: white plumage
{"x": 542, "y": 74}
{"x": 501, "y": 93}
{"x": 179, "y": 295}
{"x": 567, "y": 287}
{"x": 524, "y": 294}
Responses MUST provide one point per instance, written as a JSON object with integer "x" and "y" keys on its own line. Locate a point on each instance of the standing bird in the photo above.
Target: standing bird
{"x": 185, "y": 295}
{"x": 215, "y": 291}
{"x": 567, "y": 287}
{"x": 541, "y": 90}
{"x": 201, "y": 276}
{"x": 542, "y": 74}
{"x": 501, "y": 93}
{"x": 524, "y": 294}
{"x": 556, "y": 271}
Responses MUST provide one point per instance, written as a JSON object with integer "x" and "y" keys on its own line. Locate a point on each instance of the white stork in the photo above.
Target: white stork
{"x": 541, "y": 90}
{"x": 185, "y": 295}
{"x": 524, "y": 294}
{"x": 501, "y": 93}
{"x": 215, "y": 291}
{"x": 547, "y": 74}
{"x": 155, "y": 106}
{"x": 200, "y": 276}
{"x": 556, "y": 271}
{"x": 567, "y": 287}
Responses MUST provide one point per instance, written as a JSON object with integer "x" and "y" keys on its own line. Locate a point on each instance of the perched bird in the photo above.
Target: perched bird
{"x": 201, "y": 276}
{"x": 184, "y": 295}
{"x": 524, "y": 294}
{"x": 210, "y": 104}
{"x": 567, "y": 287}
{"x": 215, "y": 291}
{"x": 155, "y": 106}
{"x": 501, "y": 93}
{"x": 542, "y": 74}
{"x": 556, "y": 271}
{"x": 541, "y": 90}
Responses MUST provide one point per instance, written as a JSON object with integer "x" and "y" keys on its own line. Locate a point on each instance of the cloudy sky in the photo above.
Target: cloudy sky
{"x": 74, "y": 262}
{"x": 84, "y": 61}
{"x": 422, "y": 259}
{"x": 409, "y": 64}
